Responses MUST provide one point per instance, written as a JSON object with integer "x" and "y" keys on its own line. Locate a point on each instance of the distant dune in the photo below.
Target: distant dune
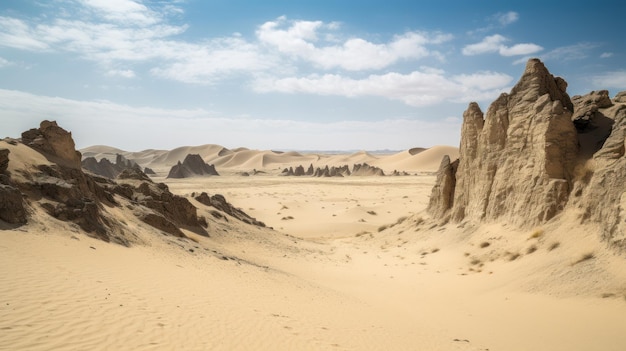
{"x": 244, "y": 159}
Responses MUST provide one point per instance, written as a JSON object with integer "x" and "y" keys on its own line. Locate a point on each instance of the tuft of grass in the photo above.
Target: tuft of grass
{"x": 287, "y": 218}
{"x": 382, "y": 227}
{"x": 361, "y": 234}
{"x": 419, "y": 221}
{"x": 475, "y": 261}
{"x": 434, "y": 250}
{"x": 554, "y": 245}
{"x": 585, "y": 257}
{"x": 531, "y": 249}
{"x": 536, "y": 234}
{"x": 484, "y": 244}
{"x": 373, "y": 213}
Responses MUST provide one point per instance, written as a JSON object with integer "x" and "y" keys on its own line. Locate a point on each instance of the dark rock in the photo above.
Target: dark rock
{"x": 193, "y": 165}
{"x": 11, "y": 205}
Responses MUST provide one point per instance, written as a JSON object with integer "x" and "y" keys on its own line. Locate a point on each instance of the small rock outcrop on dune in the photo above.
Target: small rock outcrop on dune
{"x": 219, "y": 202}
{"x": 192, "y": 166}
{"x": 536, "y": 153}
{"x": 105, "y": 168}
{"x": 366, "y": 170}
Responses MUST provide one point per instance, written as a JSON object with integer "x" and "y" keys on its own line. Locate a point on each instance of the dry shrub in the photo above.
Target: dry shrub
{"x": 484, "y": 244}
{"x": 536, "y": 234}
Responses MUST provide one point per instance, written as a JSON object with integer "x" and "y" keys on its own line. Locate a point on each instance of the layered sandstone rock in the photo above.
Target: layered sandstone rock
{"x": 517, "y": 162}
{"x": 537, "y": 153}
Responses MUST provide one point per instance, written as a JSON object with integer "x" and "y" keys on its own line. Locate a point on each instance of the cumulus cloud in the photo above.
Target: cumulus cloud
{"x": 606, "y": 55}
{"x": 414, "y": 89}
{"x": 305, "y": 40}
{"x": 495, "y": 43}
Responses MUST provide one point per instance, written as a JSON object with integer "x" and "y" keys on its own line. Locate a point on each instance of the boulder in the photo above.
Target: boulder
{"x": 11, "y": 205}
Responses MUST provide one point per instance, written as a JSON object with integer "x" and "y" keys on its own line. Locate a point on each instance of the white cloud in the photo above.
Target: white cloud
{"x": 489, "y": 44}
{"x": 520, "y": 49}
{"x": 301, "y": 39}
{"x": 495, "y": 43}
{"x": 145, "y": 127}
{"x": 577, "y": 51}
{"x": 125, "y": 11}
{"x": 616, "y": 79}
{"x": 606, "y": 55}
{"x": 124, "y": 73}
{"x": 414, "y": 89}
{"x": 16, "y": 33}
{"x": 4, "y": 62}
{"x": 507, "y": 18}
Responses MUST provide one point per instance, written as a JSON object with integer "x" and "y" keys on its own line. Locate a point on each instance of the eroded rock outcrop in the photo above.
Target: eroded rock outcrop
{"x": 219, "y": 202}
{"x": 517, "y": 162}
{"x": 537, "y": 153}
{"x": 106, "y": 168}
{"x": 53, "y": 141}
{"x": 192, "y": 166}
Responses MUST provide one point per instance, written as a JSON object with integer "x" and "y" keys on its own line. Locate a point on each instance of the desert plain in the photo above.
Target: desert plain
{"x": 343, "y": 263}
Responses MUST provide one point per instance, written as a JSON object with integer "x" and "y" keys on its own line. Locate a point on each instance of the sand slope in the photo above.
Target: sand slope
{"x": 393, "y": 282}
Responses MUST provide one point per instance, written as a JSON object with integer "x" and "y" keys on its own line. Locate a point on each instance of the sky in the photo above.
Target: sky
{"x": 287, "y": 74}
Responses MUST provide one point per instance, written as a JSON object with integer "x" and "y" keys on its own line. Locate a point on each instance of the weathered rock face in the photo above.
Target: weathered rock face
{"x": 602, "y": 194}
{"x": 442, "y": 195}
{"x": 193, "y": 165}
{"x": 219, "y": 202}
{"x": 516, "y": 163}
{"x": 52, "y": 140}
{"x": 535, "y": 154}
{"x": 4, "y": 160}
{"x": 11, "y": 205}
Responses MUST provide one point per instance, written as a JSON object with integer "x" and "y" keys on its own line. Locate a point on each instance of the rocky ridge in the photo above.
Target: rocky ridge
{"x": 53, "y": 182}
{"x": 536, "y": 153}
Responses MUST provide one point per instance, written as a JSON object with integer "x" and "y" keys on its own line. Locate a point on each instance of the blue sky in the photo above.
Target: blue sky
{"x": 304, "y": 75}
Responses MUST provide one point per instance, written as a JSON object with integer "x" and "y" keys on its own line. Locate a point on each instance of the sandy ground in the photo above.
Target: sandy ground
{"x": 321, "y": 280}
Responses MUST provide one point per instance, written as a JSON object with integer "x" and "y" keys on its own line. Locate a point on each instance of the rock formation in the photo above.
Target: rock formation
{"x": 536, "y": 153}
{"x": 219, "y": 202}
{"x": 334, "y": 171}
{"x": 193, "y": 165}
{"x": 53, "y": 141}
{"x": 12, "y": 209}
{"x": 366, "y": 170}
{"x": 64, "y": 191}
{"x": 105, "y": 168}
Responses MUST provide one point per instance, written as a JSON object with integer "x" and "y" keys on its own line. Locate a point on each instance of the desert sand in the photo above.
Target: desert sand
{"x": 348, "y": 264}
